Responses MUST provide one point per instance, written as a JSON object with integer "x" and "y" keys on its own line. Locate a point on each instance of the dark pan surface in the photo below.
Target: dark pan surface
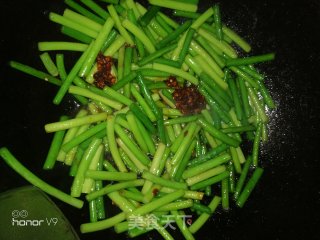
{"x": 286, "y": 202}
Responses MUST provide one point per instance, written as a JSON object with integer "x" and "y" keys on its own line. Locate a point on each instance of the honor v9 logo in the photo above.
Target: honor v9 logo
{"x": 20, "y": 219}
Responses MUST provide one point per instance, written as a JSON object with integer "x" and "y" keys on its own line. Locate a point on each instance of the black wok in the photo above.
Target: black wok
{"x": 286, "y": 203}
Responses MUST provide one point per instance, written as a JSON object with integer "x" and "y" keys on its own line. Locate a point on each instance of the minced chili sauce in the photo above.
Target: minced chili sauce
{"x": 155, "y": 192}
{"x": 188, "y": 99}
{"x": 103, "y": 76}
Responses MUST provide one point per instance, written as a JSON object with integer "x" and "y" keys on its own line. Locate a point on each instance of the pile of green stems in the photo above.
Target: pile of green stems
{"x": 128, "y": 142}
